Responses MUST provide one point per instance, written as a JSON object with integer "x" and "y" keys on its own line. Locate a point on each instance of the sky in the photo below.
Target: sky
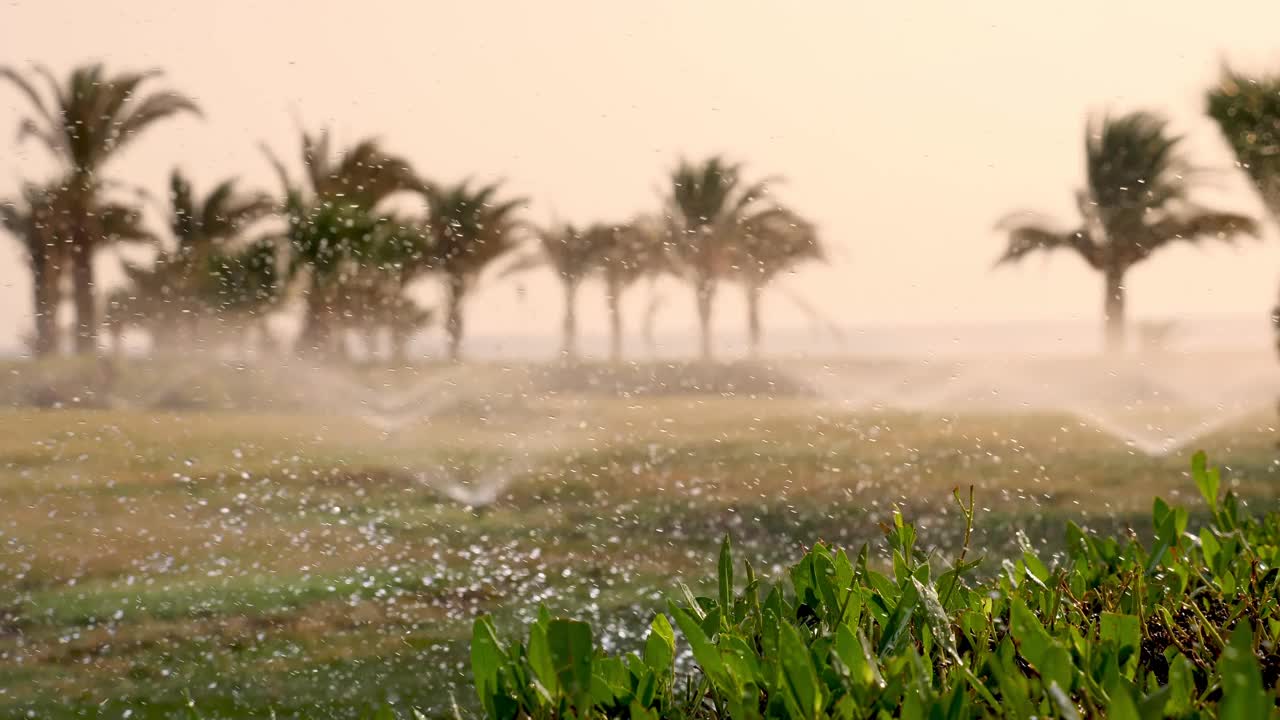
{"x": 904, "y": 131}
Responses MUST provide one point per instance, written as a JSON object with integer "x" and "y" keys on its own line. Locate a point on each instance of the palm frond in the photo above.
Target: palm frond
{"x": 1246, "y": 109}
{"x": 523, "y": 264}
{"x": 1029, "y": 233}
{"x": 152, "y": 109}
{"x": 1195, "y": 224}
{"x": 53, "y": 142}
{"x": 282, "y": 174}
{"x": 122, "y": 223}
{"x": 28, "y": 90}
{"x": 774, "y": 240}
{"x": 1132, "y": 163}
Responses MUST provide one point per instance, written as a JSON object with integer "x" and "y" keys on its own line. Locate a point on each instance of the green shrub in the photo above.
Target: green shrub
{"x": 1185, "y": 627}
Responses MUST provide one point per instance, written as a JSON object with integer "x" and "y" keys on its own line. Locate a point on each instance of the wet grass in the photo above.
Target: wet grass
{"x": 260, "y": 561}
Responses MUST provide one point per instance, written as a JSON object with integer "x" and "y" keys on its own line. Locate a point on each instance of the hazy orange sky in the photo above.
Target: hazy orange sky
{"x": 904, "y": 133}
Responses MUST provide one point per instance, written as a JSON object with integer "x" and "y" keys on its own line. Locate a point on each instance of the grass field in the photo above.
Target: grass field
{"x": 299, "y": 556}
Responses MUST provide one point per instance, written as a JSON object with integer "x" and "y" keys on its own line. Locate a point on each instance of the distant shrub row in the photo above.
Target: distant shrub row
{"x": 1183, "y": 627}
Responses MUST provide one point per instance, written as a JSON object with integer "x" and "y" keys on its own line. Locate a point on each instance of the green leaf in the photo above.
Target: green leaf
{"x": 1067, "y": 710}
{"x": 899, "y": 622}
{"x": 704, "y": 651}
{"x": 1206, "y": 480}
{"x": 640, "y": 712}
{"x": 740, "y": 660}
{"x": 1152, "y": 706}
{"x": 936, "y": 617}
{"x": 694, "y": 606}
{"x": 1243, "y": 697}
{"x": 544, "y": 669}
{"x": 799, "y": 677}
{"x": 660, "y": 646}
{"x": 1033, "y": 641}
{"x": 1126, "y": 632}
{"x": 1182, "y": 687}
{"x": 487, "y": 656}
{"x": 1015, "y": 695}
{"x": 610, "y": 681}
{"x": 646, "y": 687}
{"x": 726, "y": 581}
{"x": 844, "y": 570}
{"x": 1036, "y": 569}
{"x": 1166, "y": 536}
{"x": 487, "y": 659}
{"x": 1122, "y": 706}
{"x": 852, "y": 652}
{"x": 1209, "y": 547}
{"x": 1050, "y": 659}
{"x": 824, "y": 579}
{"x": 571, "y": 652}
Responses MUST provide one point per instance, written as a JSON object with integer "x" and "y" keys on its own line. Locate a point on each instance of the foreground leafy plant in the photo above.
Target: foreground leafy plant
{"x": 1186, "y": 628}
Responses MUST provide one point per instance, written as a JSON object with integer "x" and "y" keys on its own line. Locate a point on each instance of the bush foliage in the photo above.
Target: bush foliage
{"x": 1184, "y": 626}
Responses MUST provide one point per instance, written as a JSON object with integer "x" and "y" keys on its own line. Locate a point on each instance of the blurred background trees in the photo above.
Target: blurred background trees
{"x": 1137, "y": 199}
{"x": 348, "y": 244}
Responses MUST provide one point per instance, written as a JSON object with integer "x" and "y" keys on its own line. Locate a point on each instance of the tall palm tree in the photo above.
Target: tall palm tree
{"x": 771, "y": 242}
{"x": 41, "y": 222}
{"x": 179, "y": 287}
{"x": 467, "y": 229}
{"x": 1136, "y": 200}
{"x": 85, "y": 123}
{"x": 627, "y": 253}
{"x": 708, "y": 202}
{"x": 35, "y": 221}
{"x": 335, "y": 224}
{"x": 1247, "y": 111}
{"x": 571, "y": 253}
{"x": 247, "y": 284}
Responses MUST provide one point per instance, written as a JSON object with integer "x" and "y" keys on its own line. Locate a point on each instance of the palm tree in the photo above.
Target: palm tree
{"x": 571, "y": 253}
{"x": 86, "y": 122}
{"x": 334, "y": 224}
{"x": 34, "y": 220}
{"x": 708, "y": 202}
{"x": 246, "y": 284}
{"x": 1247, "y": 111}
{"x": 1136, "y": 200}
{"x": 180, "y": 288}
{"x": 40, "y": 221}
{"x": 771, "y": 242}
{"x": 467, "y": 229}
{"x": 627, "y": 253}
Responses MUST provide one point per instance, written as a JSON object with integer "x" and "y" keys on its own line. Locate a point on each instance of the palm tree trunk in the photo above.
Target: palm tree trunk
{"x": 1113, "y": 309}
{"x": 569, "y": 345}
{"x": 82, "y": 246}
{"x": 266, "y": 340}
{"x": 613, "y": 296}
{"x": 117, "y": 341}
{"x": 754, "y": 290}
{"x": 651, "y": 319}
{"x": 316, "y": 333}
{"x": 44, "y": 282}
{"x": 705, "y": 291}
{"x": 86, "y": 338}
{"x": 399, "y": 345}
{"x": 453, "y": 321}
{"x": 369, "y": 336}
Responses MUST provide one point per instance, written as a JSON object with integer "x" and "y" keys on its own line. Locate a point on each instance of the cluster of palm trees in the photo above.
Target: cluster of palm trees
{"x": 336, "y": 241}
{"x": 1139, "y": 187}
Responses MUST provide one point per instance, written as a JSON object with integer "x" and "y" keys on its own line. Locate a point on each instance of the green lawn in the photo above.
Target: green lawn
{"x": 297, "y": 556}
